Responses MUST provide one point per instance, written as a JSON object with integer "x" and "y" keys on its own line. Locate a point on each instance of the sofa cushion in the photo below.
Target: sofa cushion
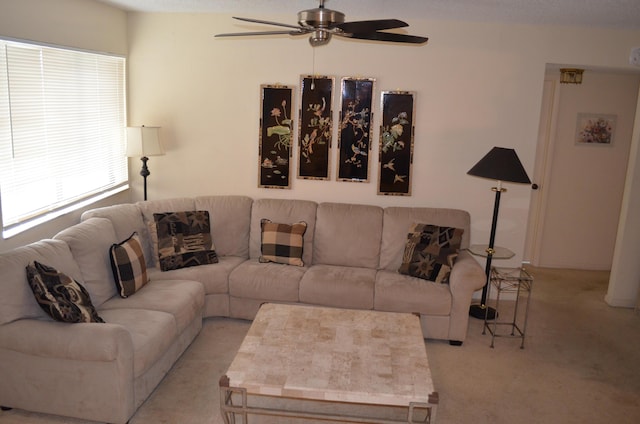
{"x": 282, "y": 210}
{"x": 338, "y": 286}
{"x": 60, "y": 296}
{"x": 430, "y": 252}
{"x": 182, "y": 299}
{"x": 214, "y": 277}
{"x": 282, "y": 243}
{"x": 348, "y": 235}
{"x": 403, "y": 293}
{"x": 265, "y": 281}
{"x": 17, "y": 298}
{"x": 89, "y": 242}
{"x": 128, "y": 265}
{"x": 184, "y": 239}
{"x": 397, "y": 220}
{"x": 230, "y": 223}
{"x": 126, "y": 218}
{"x": 152, "y": 332}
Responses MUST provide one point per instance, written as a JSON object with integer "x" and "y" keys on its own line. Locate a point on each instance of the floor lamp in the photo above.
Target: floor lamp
{"x": 143, "y": 142}
{"x": 499, "y": 164}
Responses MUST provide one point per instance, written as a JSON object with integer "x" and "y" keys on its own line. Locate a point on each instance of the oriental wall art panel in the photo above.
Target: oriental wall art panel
{"x": 396, "y": 143}
{"x": 355, "y": 132}
{"x": 276, "y": 136}
{"x": 314, "y": 138}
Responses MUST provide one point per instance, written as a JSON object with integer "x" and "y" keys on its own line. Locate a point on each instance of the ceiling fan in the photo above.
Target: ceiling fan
{"x": 322, "y": 23}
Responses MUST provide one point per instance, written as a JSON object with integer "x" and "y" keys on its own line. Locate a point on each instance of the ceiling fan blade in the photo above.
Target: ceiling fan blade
{"x": 387, "y": 36}
{"x": 259, "y": 21}
{"x": 370, "y": 26}
{"x": 238, "y": 34}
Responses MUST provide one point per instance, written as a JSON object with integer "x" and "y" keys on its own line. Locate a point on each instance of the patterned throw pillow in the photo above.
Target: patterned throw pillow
{"x": 63, "y": 298}
{"x": 184, "y": 239}
{"x": 128, "y": 265}
{"x": 282, "y": 243}
{"x": 430, "y": 252}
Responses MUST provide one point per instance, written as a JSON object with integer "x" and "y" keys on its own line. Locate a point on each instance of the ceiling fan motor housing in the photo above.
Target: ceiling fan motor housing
{"x": 320, "y": 18}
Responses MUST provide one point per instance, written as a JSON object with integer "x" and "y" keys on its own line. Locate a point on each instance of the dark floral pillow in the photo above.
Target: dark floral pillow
{"x": 184, "y": 239}
{"x": 430, "y": 252}
{"x": 60, "y": 296}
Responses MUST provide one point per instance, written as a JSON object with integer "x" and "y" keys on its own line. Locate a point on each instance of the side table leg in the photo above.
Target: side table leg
{"x": 486, "y": 312}
{"x": 495, "y": 321}
{"x": 515, "y": 311}
{"x": 526, "y": 313}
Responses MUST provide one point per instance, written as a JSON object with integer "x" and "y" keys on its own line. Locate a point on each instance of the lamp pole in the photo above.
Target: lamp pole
{"x": 145, "y": 173}
{"x": 481, "y": 311}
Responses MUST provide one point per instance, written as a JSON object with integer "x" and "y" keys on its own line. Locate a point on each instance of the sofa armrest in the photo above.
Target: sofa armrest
{"x": 467, "y": 276}
{"x": 82, "y": 341}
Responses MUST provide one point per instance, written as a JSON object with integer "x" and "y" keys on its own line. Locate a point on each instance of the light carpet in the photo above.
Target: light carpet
{"x": 580, "y": 364}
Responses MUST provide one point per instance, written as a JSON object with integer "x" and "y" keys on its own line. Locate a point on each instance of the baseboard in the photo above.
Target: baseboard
{"x": 620, "y": 302}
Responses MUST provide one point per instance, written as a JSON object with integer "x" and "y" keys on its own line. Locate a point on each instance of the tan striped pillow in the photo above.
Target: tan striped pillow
{"x": 282, "y": 243}
{"x": 128, "y": 265}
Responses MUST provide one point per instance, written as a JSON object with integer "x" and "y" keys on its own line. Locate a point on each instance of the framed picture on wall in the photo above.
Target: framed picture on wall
{"x": 314, "y": 138}
{"x": 276, "y": 136}
{"x": 355, "y": 132}
{"x": 595, "y": 129}
{"x": 396, "y": 143}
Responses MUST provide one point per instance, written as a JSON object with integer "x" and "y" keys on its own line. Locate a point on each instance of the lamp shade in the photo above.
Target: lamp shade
{"x": 143, "y": 141}
{"x": 501, "y": 164}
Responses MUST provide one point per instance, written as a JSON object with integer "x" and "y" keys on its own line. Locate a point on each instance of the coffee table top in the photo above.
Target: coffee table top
{"x": 309, "y": 352}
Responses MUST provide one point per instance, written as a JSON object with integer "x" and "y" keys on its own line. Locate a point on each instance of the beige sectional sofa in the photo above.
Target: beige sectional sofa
{"x": 104, "y": 372}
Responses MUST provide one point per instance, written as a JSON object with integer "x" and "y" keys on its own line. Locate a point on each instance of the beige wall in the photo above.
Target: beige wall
{"x": 477, "y": 85}
{"x": 75, "y": 23}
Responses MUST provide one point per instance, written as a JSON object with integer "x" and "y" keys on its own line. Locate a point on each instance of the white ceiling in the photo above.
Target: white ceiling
{"x": 595, "y": 13}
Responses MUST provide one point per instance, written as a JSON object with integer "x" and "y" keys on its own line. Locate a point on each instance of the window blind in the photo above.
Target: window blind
{"x": 62, "y": 128}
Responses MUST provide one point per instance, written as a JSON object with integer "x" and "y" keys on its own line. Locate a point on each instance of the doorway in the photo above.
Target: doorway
{"x": 574, "y": 213}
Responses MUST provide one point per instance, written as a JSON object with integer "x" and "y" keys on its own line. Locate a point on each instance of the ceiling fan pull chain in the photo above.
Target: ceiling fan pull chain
{"x": 313, "y": 68}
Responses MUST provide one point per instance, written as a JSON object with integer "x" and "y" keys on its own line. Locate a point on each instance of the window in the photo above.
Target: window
{"x": 62, "y": 130}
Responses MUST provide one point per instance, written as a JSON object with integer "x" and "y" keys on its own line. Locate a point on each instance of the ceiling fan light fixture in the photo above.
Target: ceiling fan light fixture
{"x": 319, "y": 38}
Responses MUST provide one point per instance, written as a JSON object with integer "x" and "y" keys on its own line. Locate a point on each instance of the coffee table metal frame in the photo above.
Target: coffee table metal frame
{"x": 230, "y": 410}
{"x": 235, "y": 403}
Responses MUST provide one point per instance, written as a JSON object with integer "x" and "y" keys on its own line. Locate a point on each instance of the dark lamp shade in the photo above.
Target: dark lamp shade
{"x": 501, "y": 164}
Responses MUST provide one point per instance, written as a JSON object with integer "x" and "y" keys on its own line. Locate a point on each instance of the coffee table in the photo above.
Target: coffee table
{"x": 330, "y": 356}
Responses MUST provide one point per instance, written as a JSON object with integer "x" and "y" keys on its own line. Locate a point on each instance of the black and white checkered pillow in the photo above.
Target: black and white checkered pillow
{"x": 282, "y": 243}
{"x": 128, "y": 265}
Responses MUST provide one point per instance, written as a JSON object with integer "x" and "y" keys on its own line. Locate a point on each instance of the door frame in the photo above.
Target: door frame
{"x": 542, "y": 169}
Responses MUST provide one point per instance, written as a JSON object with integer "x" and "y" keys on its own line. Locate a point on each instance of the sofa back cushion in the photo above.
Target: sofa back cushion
{"x": 126, "y": 219}
{"x": 89, "y": 242}
{"x": 399, "y": 220}
{"x": 230, "y": 218}
{"x": 348, "y": 235}
{"x": 283, "y": 211}
{"x": 150, "y": 236}
{"x": 18, "y": 301}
